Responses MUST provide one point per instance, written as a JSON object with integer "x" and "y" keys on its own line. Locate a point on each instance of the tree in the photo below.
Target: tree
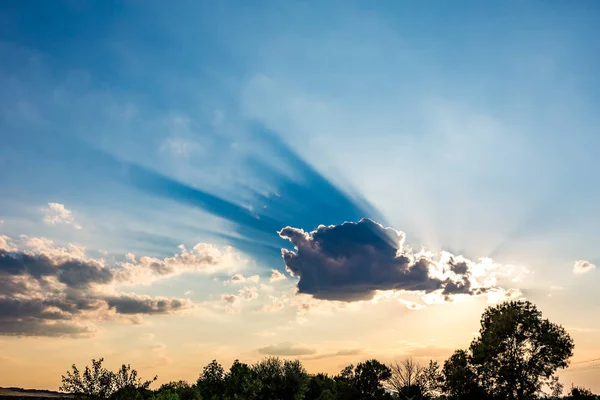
{"x": 405, "y": 378}
{"x": 556, "y": 388}
{"x": 284, "y": 380}
{"x": 580, "y": 393}
{"x": 460, "y": 381}
{"x": 430, "y": 380}
{"x": 212, "y": 381}
{"x": 240, "y": 383}
{"x": 320, "y": 386}
{"x": 295, "y": 380}
{"x": 517, "y": 350}
{"x": 410, "y": 380}
{"x": 168, "y": 394}
{"x": 126, "y": 377}
{"x": 183, "y": 389}
{"x": 96, "y": 382}
{"x": 365, "y": 381}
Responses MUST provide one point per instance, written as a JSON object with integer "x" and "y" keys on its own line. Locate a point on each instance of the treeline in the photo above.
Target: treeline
{"x": 515, "y": 357}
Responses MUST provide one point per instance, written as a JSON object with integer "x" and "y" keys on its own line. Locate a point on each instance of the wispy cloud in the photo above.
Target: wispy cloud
{"x": 286, "y": 349}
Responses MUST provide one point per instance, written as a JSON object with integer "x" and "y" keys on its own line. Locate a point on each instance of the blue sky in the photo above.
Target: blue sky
{"x": 472, "y": 127}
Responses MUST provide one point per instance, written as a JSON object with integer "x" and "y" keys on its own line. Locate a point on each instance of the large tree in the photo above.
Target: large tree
{"x": 518, "y": 351}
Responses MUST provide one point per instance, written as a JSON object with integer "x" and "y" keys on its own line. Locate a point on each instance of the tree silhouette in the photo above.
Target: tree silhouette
{"x": 184, "y": 390}
{"x": 517, "y": 350}
{"x": 460, "y": 379}
{"x": 516, "y": 353}
{"x": 240, "y": 382}
{"x": 212, "y": 381}
{"x": 365, "y": 381}
{"x": 96, "y": 382}
{"x": 581, "y": 393}
{"x": 284, "y": 380}
{"x": 405, "y": 378}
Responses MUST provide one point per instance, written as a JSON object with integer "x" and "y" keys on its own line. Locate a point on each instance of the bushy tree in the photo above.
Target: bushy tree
{"x": 168, "y": 394}
{"x": 96, "y": 382}
{"x": 518, "y": 351}
{"x": 580, "y": 393}
{"x": 460, "y": 380}
{"x": 211, "y": 382}
{"x": 285, "y": 380}
{"x": 240, "y": 382}
{"x": 184, "y": 390}
{"x": 320, "y": 386}
{"x": 364, "y": 381}
{"x": 126, "y": 377}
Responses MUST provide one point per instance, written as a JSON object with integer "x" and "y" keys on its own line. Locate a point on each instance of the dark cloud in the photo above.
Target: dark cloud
{"x": 73, "y": 273}
{"x": 38, "y": 317}
{"x": 40, "y": 327}
{"x": 286, "y": 349}
{"x": 18, "y": 263}
{"x": 135, "y": 304}
{"x": 42, "y": 297}
{"x": 80, "y": 274}
{"x": 349, "y": 262}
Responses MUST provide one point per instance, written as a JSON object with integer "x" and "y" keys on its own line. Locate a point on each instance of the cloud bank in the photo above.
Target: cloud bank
{"x": 352, "y": 261}
{"x": 47, "y": 290}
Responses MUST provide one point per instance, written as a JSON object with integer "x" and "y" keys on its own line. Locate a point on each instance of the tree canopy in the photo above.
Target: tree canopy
{"x": 515, "y": 354}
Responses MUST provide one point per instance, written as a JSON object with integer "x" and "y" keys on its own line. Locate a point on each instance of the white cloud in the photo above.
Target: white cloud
{"x": 239, "y": 278}
{"x": 411, "y": 305}
{"x": 202, "y": 258}
{"x": 6, "y": 244}
{"x": 276, "y": 276}
{"x": 582, "y": 266}
{"x": 276, "y": 304}
{"x": 56, "y": 213}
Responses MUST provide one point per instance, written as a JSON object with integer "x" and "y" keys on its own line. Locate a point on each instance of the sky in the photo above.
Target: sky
{"x": 323, "y": 180}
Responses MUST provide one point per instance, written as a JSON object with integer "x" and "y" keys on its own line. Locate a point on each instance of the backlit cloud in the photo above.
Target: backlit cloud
{"x": 48, "y": 290}
{"x": 277, "y": 276}
{"x": 239, "y": 278}
{"x": 352, "y": 261}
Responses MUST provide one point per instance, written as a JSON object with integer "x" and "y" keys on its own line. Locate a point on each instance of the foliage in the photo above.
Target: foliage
{"x": 556, "y": 388}
{"x": 96, "y": 382}
{"x": 211, "y": 382}
{"x": 459, "y": 378}
{"x": 364, "y": 381}
{"x": 240, "y": 382}
{"x": 285, "y": 380}
{"x": 581, "y": 393}
{"x": 126, "y": 377}
{"x": 517, "y": 350}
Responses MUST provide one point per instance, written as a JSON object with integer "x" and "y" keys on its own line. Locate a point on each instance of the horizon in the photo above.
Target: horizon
{"x": 330, "y": 182}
